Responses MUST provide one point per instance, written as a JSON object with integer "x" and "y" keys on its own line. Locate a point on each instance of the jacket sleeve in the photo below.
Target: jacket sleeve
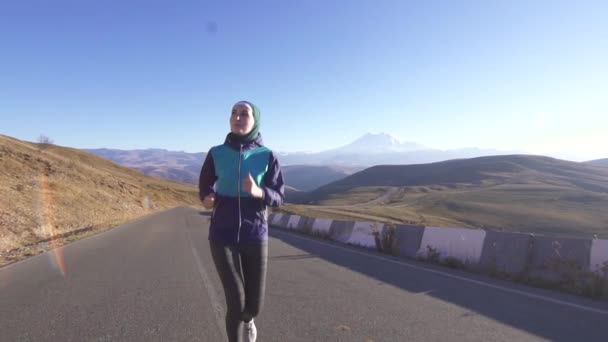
{"x": 273, "y": 187}
{"x": 207, "y": 178}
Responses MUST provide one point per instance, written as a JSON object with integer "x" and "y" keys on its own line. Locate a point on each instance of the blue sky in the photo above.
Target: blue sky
{"x": 513, "y": 75}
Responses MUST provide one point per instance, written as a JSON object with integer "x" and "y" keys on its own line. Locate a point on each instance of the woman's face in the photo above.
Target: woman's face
{"x": 241, "y": 120}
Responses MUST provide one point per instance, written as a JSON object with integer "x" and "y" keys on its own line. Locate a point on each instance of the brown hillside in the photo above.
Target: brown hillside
{"x": 533, "y": 194}
{"x": 48, "y": 191}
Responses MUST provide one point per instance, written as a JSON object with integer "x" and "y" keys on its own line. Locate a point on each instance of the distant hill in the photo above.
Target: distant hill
{"x": 310, "y": 177}
{"x": 291, "y": 192}
{"x": 514, "y": 192}
{"x": 599, "y": 162}
{"x": 178, "y": 166}
{"x": 49, "y": 190}
{"x": 515, "y": 169}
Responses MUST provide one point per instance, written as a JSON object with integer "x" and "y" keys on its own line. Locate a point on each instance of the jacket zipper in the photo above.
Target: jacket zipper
{"x": 238, "y": 234}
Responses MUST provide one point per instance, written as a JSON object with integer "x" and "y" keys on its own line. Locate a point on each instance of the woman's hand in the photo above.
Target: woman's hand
{"x": 251, "y": 187}
{"x": 209, "y": 201}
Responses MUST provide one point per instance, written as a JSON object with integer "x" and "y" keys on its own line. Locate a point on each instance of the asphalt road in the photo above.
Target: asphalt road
{"x": 153, "y": 280}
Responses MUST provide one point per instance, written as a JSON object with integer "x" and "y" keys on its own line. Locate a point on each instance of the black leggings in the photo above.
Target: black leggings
{"x": 244, "y": 290}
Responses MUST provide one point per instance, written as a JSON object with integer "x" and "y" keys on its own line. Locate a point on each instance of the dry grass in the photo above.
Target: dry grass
{"x": 539, "y": 209}
{"x": 47, "y": 191}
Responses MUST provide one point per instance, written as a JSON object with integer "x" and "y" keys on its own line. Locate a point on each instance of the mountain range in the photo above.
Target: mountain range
{"x": 302, "y": 171}
{"x": 599, "y": 162}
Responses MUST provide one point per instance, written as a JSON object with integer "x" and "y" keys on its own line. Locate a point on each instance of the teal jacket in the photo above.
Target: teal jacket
{"x": 237, "y": 216}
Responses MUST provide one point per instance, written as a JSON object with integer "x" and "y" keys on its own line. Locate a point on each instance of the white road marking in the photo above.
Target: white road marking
{"x": 217, "y": 307}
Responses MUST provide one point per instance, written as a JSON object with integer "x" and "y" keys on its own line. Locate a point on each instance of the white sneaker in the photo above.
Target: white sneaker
{"x": 250, "y": 332}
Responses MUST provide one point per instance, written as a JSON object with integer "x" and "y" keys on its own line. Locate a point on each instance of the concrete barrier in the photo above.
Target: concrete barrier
{"x": 506, "y": 253}
{"x": 362, "y": 234}
{"x": 555, "y": 258}
{"x": 407, "y": 239}
{"x": 305, "y": 224}
{"x": 340, "y": 230}
{"x": 598, "y": 262}
{"x": 283, "y": 221}
{"x": 293, "y": 222}
{"x": 321, "y": 227}
{"x": 459, "y": 243}
{"x": 275, "y": 218}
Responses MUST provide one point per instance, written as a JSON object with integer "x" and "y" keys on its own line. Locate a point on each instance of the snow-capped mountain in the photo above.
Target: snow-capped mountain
{"x": 376, "y": 149}
{"x": 379, "y": 143}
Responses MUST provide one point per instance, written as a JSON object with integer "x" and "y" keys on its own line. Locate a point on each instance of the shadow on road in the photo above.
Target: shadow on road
{"x": 550, "y": 320}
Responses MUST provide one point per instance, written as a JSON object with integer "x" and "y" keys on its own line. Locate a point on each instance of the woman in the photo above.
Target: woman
{"x": 239, "y": 180}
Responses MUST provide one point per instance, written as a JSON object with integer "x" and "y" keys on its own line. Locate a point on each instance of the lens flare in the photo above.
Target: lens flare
{"x": 45, "y": 222}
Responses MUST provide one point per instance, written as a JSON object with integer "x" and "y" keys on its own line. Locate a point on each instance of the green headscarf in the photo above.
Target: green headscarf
{"x": 253, "y": 134}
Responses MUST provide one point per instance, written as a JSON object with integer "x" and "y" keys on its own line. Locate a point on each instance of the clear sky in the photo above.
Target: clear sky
{"x": 127, "y": 74}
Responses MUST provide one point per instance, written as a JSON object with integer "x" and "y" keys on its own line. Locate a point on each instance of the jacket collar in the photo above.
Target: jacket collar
{"x": 246, "y": 145}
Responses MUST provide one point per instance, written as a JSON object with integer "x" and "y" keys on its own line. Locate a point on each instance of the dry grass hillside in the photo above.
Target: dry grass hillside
{"x": 56, "y": 194}
{"x": 533, "y": 194}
